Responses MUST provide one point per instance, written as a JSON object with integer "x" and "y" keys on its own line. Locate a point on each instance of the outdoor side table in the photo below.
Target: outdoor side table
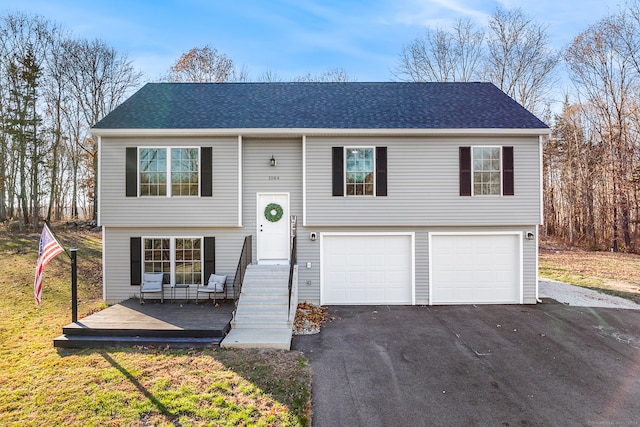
{"x": 187, "y": 291}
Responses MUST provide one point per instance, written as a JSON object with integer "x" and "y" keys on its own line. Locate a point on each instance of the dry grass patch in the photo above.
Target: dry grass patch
{"x": 134, "y": 387}
{"x": 614, "y": 273}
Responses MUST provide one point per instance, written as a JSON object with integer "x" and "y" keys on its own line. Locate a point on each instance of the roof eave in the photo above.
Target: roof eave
{"x": 279, "y": 132}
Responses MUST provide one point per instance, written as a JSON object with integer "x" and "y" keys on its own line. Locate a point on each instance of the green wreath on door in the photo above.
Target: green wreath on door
{"x": 273, "y": 212}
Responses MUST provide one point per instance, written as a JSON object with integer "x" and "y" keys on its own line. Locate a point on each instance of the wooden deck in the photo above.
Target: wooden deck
{"x": 130, "y": 323}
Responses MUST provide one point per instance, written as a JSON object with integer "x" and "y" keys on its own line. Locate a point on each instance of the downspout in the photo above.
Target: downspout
{"x": 536, "y": 233}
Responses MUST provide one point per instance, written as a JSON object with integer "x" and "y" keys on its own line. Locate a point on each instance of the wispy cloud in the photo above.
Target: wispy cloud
{"x": 438, "y": 13}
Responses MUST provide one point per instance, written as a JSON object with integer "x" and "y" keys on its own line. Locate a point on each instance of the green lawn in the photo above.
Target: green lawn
{"x": 41, "y": 385}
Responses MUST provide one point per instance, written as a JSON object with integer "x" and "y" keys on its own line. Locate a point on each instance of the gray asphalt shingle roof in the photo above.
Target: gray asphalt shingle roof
{"x": 320, "y": 106}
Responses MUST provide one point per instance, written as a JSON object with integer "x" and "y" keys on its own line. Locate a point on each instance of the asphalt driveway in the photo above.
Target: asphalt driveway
{"x": 548, "y": 364}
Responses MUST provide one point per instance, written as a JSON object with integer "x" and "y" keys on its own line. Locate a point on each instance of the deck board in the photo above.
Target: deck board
{"x": 154, "y": 320}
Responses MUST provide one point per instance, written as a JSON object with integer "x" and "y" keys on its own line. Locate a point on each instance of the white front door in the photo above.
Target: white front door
{"x": 273, "y": 228}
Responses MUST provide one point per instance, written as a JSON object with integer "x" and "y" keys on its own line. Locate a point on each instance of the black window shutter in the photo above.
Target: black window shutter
{"x": 507, "y": 171}
{"x": 209, "y": 258}
{"x": 465, "y": 171}
{"x": 337, "y": 174}
{"x": 381, "y": 171}
{"x": 206, "y": 168}
{"x": 132, "y": 172}
{"x": 135, "y": 254}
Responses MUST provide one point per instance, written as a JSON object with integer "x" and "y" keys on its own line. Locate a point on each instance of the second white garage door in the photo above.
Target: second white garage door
{"x": 475, "y": 268}
{"x": 367, "y": 269}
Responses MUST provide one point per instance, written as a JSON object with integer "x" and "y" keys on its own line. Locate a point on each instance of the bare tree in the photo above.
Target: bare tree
{"x": 519, "y": 59}
{"x": 443, "y": 55}
{"x": 270, "y": 76}
{"x": 25, "y": 42}
{"x": 205, "y": 64}
{"x": 101, "y": 79}
{"x": 605, "y": 78}
{"x": 331, "y": 75}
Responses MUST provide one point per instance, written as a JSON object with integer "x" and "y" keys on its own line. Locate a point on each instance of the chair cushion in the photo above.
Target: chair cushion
{"x": 216, "y": 282}
{"x": 152, "y": 282}
{"x": 153, "y": 277}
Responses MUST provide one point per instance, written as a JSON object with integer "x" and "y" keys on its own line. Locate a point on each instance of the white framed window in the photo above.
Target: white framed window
{"x": 359, "y": 171}
{"x": 171, "y": 172}
{"x": 153, "y": 171}
{"x": 486, "y": 171}
{"x": 179, "y": 258}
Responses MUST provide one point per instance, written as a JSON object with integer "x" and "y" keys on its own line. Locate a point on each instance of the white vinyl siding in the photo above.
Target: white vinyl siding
{"x": 423, "y": 198}
{"x": 117, "y": 259}
{"x": 219, "y": 210}
{"x": 423, "y": 185}
{"x": 260, "y": 177}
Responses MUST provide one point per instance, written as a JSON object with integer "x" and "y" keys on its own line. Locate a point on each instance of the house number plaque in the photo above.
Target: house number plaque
{"x": 274, "y": 177}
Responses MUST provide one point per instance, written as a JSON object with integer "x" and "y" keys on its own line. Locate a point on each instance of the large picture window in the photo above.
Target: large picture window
{"x": 180, "y": 259}
{"x": 181, "y": 165}
{"x": 155, "y": 171}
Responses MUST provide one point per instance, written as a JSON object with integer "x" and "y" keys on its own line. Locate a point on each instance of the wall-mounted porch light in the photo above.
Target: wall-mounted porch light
{"x": 272, "y": 162}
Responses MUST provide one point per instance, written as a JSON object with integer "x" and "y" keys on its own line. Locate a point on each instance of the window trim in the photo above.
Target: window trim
{"x": 168, "y": 171}
{"x": 375, "y": 169}
{"x": 501, "y": 183}
{"x": 507, "y": 169}
{"x": 172, "y": 256}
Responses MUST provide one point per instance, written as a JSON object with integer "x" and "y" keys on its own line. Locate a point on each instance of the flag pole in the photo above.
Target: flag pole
{"x": 74, "y": 286}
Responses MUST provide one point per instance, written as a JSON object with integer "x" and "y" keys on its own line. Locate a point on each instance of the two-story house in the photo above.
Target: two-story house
{"x": 404, "y": 193}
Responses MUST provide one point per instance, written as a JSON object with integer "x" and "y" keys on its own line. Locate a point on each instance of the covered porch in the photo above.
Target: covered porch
{"x": 129, "y": 323}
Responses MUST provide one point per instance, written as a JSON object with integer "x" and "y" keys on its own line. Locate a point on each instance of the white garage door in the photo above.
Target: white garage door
{"x": 475, "y": 269}
{"x": 367, "y": 269}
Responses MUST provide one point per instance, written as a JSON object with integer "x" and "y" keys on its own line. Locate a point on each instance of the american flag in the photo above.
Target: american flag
{"x": 49, "y": 248}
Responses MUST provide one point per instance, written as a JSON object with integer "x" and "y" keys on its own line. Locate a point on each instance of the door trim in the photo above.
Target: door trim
{"x": 285, "y": 217}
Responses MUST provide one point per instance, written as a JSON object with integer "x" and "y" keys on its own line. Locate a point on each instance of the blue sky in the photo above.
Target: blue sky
{"x": 290, "y": 37}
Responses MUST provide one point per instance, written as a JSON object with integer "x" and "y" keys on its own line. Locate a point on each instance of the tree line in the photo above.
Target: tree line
{"x": 591, "y": 170}
{"x": 54, "y": 87}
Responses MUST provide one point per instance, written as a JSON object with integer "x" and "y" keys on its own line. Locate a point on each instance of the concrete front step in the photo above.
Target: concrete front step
{"x": 250, "y": 324}
{"x": 266, "y": 291}
{"x": 278, "y": 338}
{"x": 265, "y": 299}
{"x": 260, "y": 320}
{"x": 263, "y": 309}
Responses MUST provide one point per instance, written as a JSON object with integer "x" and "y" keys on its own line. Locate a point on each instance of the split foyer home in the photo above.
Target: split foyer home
{"x": 398, "y": 193}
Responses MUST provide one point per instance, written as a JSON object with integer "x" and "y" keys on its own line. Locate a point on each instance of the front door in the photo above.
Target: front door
{"x": 273, "y": 228}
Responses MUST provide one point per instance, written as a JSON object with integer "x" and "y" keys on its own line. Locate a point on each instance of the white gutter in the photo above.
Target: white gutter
{"x": 316, "y": 132}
